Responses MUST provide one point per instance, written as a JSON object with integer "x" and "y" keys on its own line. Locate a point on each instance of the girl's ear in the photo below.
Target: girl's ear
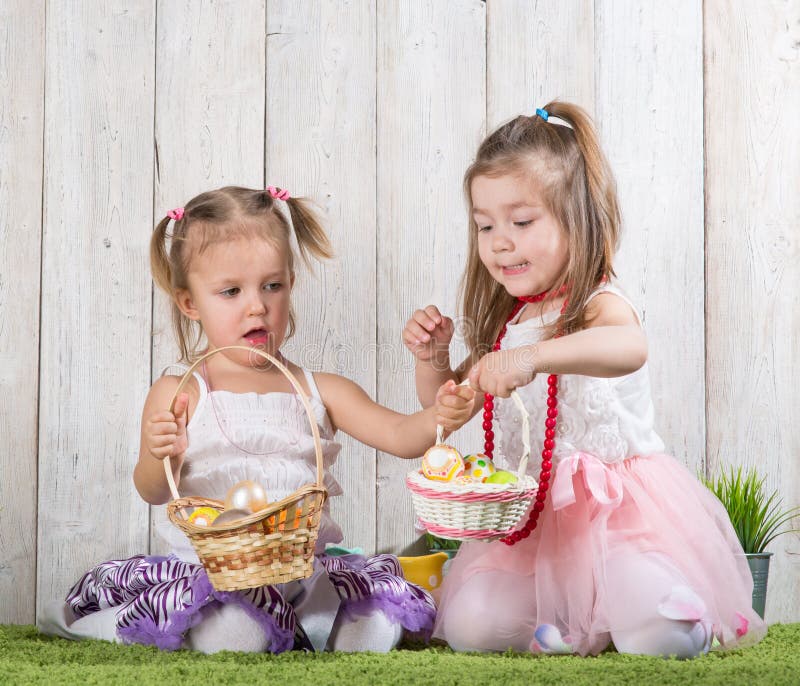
{"x": 183, "y": 299}
{"x": 291, "y": 280}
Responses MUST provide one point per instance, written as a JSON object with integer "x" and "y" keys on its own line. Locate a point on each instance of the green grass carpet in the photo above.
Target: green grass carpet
{"x": 27, "y": 657}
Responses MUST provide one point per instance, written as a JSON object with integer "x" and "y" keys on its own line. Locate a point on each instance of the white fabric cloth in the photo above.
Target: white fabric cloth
{"x": 609, "y": 418}
{"x": 225, "y": 448}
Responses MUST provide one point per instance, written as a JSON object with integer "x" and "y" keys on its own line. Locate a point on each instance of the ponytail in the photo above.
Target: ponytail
{"x": 159, "y": 258}
{"x": 311, "y": 237}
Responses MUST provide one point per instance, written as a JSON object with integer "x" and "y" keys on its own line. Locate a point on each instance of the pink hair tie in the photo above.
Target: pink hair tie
{"x": 176, "y": 214}
{"x": 280, "y": 194}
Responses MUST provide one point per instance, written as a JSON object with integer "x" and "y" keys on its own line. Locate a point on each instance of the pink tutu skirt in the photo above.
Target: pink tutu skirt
{"x": 638, "y": 552}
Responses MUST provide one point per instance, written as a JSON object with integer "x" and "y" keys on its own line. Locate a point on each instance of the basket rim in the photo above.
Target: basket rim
{"x": 301, "y": 394}
{"x": 419, "y": 483}
{"x": 176, "y": 514}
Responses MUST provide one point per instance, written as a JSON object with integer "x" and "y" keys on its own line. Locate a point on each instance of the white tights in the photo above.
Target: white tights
{"x": 638, "y": 586}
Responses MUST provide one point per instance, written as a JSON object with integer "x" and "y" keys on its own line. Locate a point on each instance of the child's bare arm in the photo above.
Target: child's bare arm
{"x": 407, "y": 436}
{"x": 612, "y": 345}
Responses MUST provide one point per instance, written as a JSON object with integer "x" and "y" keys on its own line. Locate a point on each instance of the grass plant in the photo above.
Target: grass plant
{"x": 27, "y": 657}
{"x": 757, "y": 516}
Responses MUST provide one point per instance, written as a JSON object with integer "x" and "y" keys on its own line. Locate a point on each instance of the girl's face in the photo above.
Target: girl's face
{"x": 519, "y": 240}
{"x": 240, "y": 291}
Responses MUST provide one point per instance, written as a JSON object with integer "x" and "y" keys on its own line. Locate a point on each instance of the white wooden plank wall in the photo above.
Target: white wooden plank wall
{"x": 113, "y": 113}
{"x": 98, "y": 171}
{"x": 209, "y": 124}
{"x": 649, "y": 105}
{"x": 752, "y": 106}
{"x": 430, "y": 120}
{"x": 21, "y": 116}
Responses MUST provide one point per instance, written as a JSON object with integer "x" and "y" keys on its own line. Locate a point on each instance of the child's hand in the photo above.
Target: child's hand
{"x": 428, "y": 334}
{"x": 501, "y": 372}
{"x": 454, "y": 405}
{"x": 165, "y": 432}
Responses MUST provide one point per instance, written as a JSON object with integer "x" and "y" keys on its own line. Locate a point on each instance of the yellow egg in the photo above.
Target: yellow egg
{"x": 442, "y": 463}
{"x": 246, "y": 495}
{"x": 203, "y": 516}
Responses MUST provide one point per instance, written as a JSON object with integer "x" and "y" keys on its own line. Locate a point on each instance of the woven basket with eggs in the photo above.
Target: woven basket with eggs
{"x": 467, "y": 498}
{"x": 272, "y": 545}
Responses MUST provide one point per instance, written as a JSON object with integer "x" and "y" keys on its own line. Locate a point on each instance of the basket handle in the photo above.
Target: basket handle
{"x": 526, "y": 431}
{"x": 269, "y": 358}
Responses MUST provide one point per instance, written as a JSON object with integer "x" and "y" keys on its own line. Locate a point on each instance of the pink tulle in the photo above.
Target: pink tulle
{"x": 626, "y": 542}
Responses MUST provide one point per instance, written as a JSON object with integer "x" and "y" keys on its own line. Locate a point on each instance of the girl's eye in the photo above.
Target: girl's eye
{"x": 274, "y": 286}
{"x": 524, "y": 223}
{"x": 484, "y": 228}
{"x": 230, "y": 292}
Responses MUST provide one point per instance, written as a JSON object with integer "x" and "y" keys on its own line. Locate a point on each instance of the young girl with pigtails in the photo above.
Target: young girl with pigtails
{"x": 227, "y": 264}
{"x": 622, "y": 543}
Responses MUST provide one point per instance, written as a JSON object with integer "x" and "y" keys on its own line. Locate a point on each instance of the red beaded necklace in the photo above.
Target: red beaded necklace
{"x": 550, "y": 422}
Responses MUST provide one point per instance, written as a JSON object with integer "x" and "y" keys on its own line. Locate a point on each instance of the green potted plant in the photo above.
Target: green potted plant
{"x": 444, "y": 545}
{"x": 757, "y": 518}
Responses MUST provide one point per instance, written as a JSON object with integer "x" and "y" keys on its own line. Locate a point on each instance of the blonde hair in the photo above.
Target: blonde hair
{"x": 568, "y": 168}
{"x": 223, "y": 215}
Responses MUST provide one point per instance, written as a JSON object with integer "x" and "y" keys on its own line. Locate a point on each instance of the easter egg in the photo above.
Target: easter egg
{"x": 478, "y": 467}
{"x": 246, "y": 495}
{"x": 203, "y": 516}
{"x": 230, "y": 516}
{"x": 501, "y": 476}
{"x": 442, "y": 463}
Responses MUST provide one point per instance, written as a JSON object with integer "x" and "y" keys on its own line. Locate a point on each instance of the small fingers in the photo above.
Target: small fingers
{"x": 433, "y": 312}
{"x": 416, "y": 332}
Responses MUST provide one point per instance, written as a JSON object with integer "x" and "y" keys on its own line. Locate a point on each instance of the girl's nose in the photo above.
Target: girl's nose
{"x": 500, "y": 240}
{"x": 257, "y": 307}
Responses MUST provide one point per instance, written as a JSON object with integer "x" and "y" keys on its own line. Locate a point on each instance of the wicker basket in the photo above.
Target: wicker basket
{"x": 271, "y": 546}
{"x": 476, "y": 511}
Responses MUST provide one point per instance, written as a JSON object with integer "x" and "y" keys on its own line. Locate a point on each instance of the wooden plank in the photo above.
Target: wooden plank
{"x": 535, "y": 53}
{"x": 320, "y": 143}
{"x": 95, "y": 314}
{"x": 431, "y": 105}
{"x": 209, "y": 123}
{"x": 752, "y": 105}
{"x": 647, "y": 54}
{"x": 21, "y": 158}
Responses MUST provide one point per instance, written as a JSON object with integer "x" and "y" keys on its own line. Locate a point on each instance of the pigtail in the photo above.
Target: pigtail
{"x": 159, "y": 257}
{"x": 311, "y": 237}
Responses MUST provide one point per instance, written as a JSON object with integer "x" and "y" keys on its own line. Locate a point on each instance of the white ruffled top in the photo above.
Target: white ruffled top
{"x": 264, "y": 438}
{"x": 610, "y": 418}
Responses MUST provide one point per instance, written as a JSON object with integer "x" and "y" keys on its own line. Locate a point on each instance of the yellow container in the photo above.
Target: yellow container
{"x": 424, "y": 570}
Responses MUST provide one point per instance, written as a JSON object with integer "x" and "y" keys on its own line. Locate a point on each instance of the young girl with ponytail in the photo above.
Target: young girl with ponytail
{"x": 622, "y": 543}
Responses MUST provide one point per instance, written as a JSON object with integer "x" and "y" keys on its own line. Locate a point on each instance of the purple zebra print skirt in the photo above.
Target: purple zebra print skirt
{"x": 158, "y": 599}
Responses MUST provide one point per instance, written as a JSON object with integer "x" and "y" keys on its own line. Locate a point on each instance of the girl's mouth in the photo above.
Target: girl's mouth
{"x": 256, "y": 337}
{"x": 515, "y": 269}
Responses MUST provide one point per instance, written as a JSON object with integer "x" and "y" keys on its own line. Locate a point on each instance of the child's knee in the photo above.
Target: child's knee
{"x": 227, "y": 627}
{"x": 497, "y": 625}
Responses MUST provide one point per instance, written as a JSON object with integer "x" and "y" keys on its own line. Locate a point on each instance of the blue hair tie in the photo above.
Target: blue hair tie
{"x": 542, "y": 113}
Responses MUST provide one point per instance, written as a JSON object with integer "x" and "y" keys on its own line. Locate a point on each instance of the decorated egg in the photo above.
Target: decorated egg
{"x": 478, "y": 467}
{"x": 203, "y": 516}
{"x": 246, "y": 495}
{"x": 501, "y": 476}
{"x": 442, "y": 463}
